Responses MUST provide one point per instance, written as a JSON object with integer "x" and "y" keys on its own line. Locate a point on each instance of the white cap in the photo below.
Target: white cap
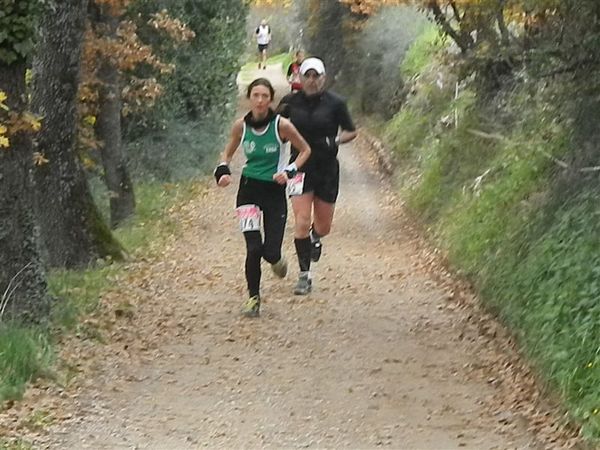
{"x": 312, "y": 64}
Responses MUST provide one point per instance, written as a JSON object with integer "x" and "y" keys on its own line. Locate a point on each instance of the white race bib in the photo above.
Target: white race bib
{"x": 295, "y": 185}
{"x": 250, "y": 217}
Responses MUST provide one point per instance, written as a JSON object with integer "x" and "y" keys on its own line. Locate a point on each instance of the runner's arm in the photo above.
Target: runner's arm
{"x": 222, "y": 172}
{"x": 346, "y": 136}
{"x": 235, "y": 139}
{"x": 288, "y": 132}
{"x": 346, "y": 123}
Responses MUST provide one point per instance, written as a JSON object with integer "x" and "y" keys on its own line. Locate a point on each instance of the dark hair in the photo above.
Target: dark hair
{"x": 261, "y": 82}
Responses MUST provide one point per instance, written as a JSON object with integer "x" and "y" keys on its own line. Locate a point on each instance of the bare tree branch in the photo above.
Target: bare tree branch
{"x": 455, "y": 11}
{"x": 504, "y": 34}
{"x": 463, "y": 40}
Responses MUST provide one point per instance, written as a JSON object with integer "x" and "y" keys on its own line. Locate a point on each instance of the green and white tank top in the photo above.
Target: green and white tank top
{"x": 265, "y": 151}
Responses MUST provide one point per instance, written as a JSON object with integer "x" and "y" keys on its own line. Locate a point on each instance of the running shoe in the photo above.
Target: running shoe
{"x": 304, "y": 285}
{"x": 252, "y": 307}
{"x": 280, "y": 268}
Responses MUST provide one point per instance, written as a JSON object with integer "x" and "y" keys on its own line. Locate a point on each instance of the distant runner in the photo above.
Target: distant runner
{"x": 293, "y": 72}
{"x": 261, "y": 199}
{"x": 263, "y": 39}
{"x": 319, "y": 115}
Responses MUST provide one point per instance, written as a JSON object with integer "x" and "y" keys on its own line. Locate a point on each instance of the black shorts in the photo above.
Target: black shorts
{"x": 262, "y": 47}
{"x": 323, "y": 181}
{"x": 268, "y": 196}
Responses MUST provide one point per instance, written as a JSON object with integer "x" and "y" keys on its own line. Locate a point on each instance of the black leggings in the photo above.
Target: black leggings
{"x": 270, "y": 198}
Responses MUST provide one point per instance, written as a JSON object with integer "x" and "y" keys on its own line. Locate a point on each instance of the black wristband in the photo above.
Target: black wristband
{"x": 221, "y": 169}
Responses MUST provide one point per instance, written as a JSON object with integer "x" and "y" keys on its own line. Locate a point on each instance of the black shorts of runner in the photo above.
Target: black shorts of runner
{"x": 268, "y": 196}
{"x": 262, "y": 47}
{"x": 323, "y": 181}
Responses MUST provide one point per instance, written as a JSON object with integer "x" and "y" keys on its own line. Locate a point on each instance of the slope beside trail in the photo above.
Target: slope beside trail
{"x": 378, "y": 355}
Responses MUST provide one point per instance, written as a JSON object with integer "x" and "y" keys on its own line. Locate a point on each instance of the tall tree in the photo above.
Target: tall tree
{"x": 23, "y": 292}
{"x": 105, "y": 19}
{"x": 120, "y": 80}
{"x": 73, "y": 232}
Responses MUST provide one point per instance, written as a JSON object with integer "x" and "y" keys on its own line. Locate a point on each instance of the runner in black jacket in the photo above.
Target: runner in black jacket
{"x": 323, "y": 120}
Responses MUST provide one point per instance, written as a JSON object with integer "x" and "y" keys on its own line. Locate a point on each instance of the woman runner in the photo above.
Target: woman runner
{"x": 262, "y": 134}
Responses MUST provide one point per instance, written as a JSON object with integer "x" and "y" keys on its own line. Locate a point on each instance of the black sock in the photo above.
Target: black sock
{"x": 303, "y": 248}
{"x": 254, "y": 251}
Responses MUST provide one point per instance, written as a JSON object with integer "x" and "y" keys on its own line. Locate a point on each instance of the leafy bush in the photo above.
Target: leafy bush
{"x": 521, "y": 226}
{"x": 171, "y": 141}
{"x": 420, "y": 53}
{"x": 549, "y": 294}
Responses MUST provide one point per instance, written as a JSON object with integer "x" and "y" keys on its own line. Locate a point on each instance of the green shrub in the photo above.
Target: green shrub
{"x": 25, "y": 354}
{"x": 78, "y": 292}
{"x": 550, "y": 295}
{"x": 525, "y": 230}
{"x": 406, "y": 132}
{"x": 15, "y": 444}
{"x": 420, "y": 53}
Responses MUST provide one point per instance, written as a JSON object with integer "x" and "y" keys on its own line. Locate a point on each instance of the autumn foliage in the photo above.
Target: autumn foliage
{"x": 127, "y": 52}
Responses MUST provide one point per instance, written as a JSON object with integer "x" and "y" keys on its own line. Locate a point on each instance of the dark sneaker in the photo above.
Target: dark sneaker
{"x": 315, "y": 250}
{"x": 280, "y": 268}
{"x": 252, "y": 307}
{"x": 304, "y": 285}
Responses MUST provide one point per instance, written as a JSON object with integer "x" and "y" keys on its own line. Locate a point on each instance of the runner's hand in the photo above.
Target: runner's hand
{"x": 222, "y": 171}
{"x": 224, "y": 181}
{"x": 280, "y": 177}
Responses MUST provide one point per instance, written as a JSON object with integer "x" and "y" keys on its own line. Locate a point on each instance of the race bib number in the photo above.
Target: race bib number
{"x": 295, "y": 185}
{"x": 250, "y": 217}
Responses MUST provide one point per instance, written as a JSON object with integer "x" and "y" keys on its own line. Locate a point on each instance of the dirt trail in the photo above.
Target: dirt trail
{"x": 373, "y": 357}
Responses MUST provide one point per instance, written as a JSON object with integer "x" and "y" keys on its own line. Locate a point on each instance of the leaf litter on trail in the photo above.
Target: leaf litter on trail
{"x": 518, "y": 394}
{"x": 152, "y": 286}
{"x": 131, "y": 317}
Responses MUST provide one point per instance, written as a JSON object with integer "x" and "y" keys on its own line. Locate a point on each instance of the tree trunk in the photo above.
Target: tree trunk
{"x": 463, "y": 40}
{"x": 23, "y": 292}
{"x": 108, "y": 131}
{"x": 72, "y": 230}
